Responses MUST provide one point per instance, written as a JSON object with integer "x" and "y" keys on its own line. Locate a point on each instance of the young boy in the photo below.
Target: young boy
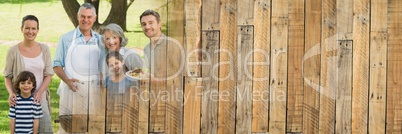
{"x": 24, "y": 116}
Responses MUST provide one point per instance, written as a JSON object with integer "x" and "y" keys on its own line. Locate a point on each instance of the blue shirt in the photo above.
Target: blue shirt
{"x": 65, "y": 43}
{"x": 24, "y": 114}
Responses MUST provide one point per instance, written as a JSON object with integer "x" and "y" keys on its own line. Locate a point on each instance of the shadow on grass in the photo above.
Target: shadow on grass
{"x": 23, "y": 1}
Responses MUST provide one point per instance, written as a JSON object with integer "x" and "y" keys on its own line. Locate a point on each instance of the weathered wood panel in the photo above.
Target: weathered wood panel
{"x": 130, "y": 109}
{"x": 192, "y": 39}
{"x": 344, "y": 19}
{"x": 210, "y": 14}
{"x": 157, "y": 91}
{"x": 96, "y": 117}
{"x": 192, "y": 105}
{"x": 227, "y": 68}
{"x": 210, "y": 77}
{"x": 279, "y": 54}
{"x": 378, "y": 66}
{"x": 311, "y": 66}
{"x": 344, "y": 92}
{"x": 244, "y": 79}
{"x": 261, "y": 53}
{"x": 394, "y": 68}
{"x": 143, "y": 105}
{"x": 245, "y": 12}
{"x": 328, "y": 67}
{"x": 361, "y": 39}
{"x": 295, "y": 79}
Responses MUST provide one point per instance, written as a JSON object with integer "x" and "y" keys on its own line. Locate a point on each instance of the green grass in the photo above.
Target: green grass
{"x": 53, "y": 23}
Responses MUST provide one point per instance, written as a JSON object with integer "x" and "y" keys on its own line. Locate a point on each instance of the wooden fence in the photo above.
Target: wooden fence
{"x": 278, "y": 66}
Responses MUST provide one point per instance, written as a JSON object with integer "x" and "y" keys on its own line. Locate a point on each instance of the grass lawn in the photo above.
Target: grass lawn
{"x": 53, "y": 23}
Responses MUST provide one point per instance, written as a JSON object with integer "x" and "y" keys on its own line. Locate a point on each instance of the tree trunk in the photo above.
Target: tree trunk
{"x": 117, "y": 13}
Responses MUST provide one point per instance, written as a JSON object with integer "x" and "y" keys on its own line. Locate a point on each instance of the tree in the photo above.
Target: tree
{"x": 117, "y": 14}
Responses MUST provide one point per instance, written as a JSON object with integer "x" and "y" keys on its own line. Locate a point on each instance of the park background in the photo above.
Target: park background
{"x": 53, "y": 22}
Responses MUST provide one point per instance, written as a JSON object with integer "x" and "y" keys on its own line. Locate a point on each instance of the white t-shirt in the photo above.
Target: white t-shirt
{"x": 36, "y": 66}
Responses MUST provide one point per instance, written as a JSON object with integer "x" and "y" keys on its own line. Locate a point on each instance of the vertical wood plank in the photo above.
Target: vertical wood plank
{"x": 157, "y": 92}
{"x": 114, "y": 112}
{"x": 328, "y": 65}
{"x": 192, "y": 105}
{"x": 279, "y": 52}
{"x": 344, "y": 19}
{"x": 311, "y": 66}
{"x": 244, "y": 79}
{"x": 210, "y": 75}
{"x": 361, "y": 39}
{"x": 175, "y": 67}
{"x": 344, "y": 91}
{"x": 192, "y": 35}
{"x": 143, "y": 106}
{"x": 295, "y": 78}
{"x": 394, "y": 68}
{"x": 262, "y": 43}
{"x": 378, "y": 66}
{"x": 245, "y": 12}
{"x": 210, "y": 14}
{"x": 227, "y": 68}
{"x": 130, "y": 108}
{"x": 96, "y": 117}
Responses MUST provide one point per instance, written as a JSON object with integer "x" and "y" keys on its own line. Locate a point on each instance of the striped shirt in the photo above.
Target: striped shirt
{"x": 24, "y": 114}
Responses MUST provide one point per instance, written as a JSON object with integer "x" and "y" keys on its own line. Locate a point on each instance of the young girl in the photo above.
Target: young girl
{"x": 118, "y": 88}
{"x": 24, "y": 116}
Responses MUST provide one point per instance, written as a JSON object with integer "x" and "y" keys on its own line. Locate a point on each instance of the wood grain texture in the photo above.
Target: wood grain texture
{"x": 227, "y": 68}
{"x": 143, "y": 105}
{"x": 344, "y": 92}
{"x": 311, "y": 66}
{"x": 244, "y": 79}
{"x": 378, "y": 66}
{"x": 192, "y": 42}
{"x": 210, "y": 15}
{"x": 394, "y": 68}
{"x": 279, "y": 59}
{"x": 295, "y": 79}
{"x": 361, "y": 49}
{"x": 192, "y": 105}
{"x": 328, "y": 68}
{"x": 262, "y": 21}
{"x": 210, "y": 77}
{"x": 344, "y": 19}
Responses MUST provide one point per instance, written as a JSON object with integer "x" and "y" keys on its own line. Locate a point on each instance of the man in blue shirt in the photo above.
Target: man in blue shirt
{"x": 77, "y": 63}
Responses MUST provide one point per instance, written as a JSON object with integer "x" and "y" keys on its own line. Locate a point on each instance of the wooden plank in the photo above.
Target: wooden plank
{"x": 192, "y": 105}
{"x": 192, "y": 38}
{"x": 130, "y": 109}
{"x": 245, "y": 12}
{"x": 361, "y": 39}
{"x": 294, "y": 121}
{"x": 174, "y": 87}
{"x": 311, "y": 66}
{"x": 279, "y": 52}
{"x": 157, "y": 92}
{"x": 210, "y": 14}
{"x": 244, "y": 79}
{"x": 143, "y": 106}
{"x": 210, "y": 77}
{"x": 344, "y": 92}
{"x": 227, "y": 68}
{"x": 344, "y": 19}
{"x": 114, "y": 112}
{"x": 262, "y": 43}
{"x": 394, "y": 68}
{"x": 378, "y": 66}
{"x": 328, "y": 66}
{"x": 96, "y": 117}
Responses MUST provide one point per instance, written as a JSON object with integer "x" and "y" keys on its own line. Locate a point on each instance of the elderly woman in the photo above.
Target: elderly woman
{"x": 114, "y": 40}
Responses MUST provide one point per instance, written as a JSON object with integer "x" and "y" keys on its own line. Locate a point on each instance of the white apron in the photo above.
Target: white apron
{"x": 81, "y": 63}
